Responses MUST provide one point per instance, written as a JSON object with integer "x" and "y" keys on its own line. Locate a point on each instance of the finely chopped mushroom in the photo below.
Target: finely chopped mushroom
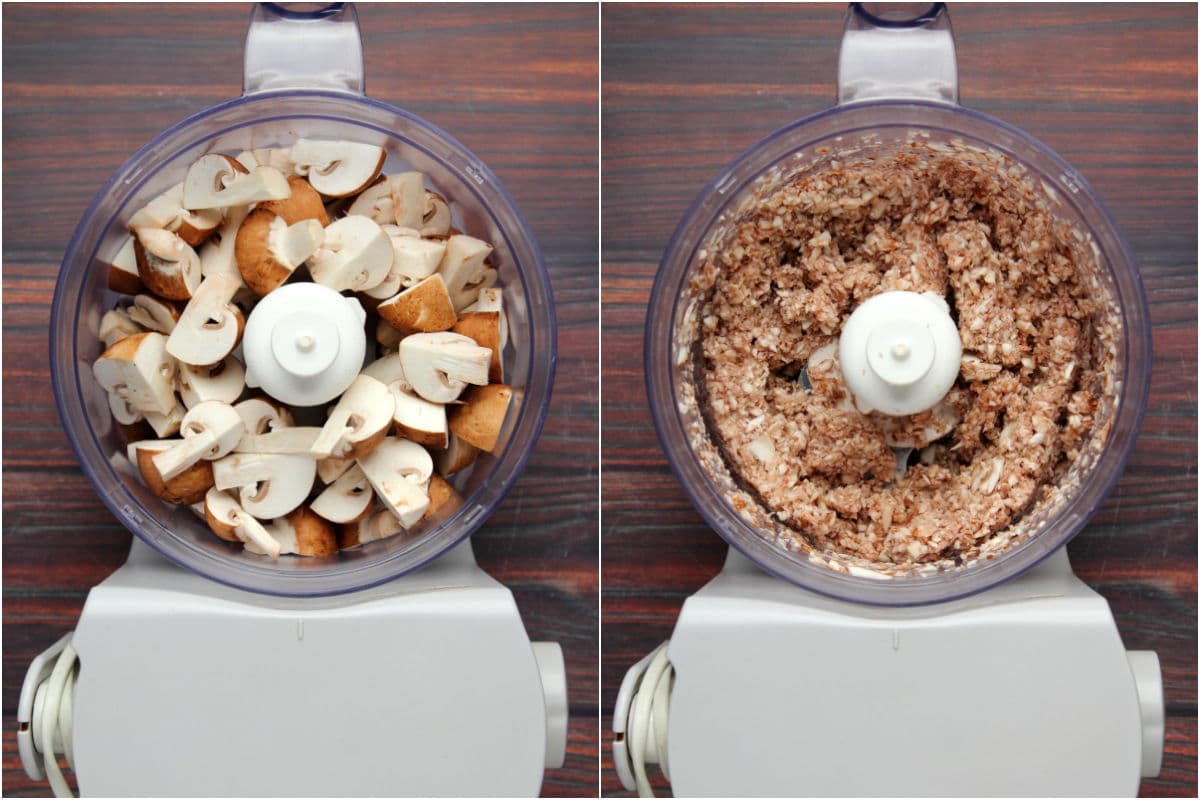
{"x": 776, "y": 290}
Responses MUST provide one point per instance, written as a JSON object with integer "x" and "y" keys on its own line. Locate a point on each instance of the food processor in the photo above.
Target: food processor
{"x": 802, "y": 673}
{"x": 395, "y": 668}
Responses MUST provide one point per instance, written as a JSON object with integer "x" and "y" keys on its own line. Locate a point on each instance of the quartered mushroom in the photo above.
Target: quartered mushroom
{"x": 439, "y": 366}
{"x": 123, "y": 271}
{"x": 458, "y": 455}
{"x": 210, "y": 325}
{"x": 300, "y": 533}
{"x": 153, "y": 313}
{"x": 356, "y": 254}
{"x": 337, "y": 168}
{"x": 303, "y": 203}
{"x": 116, "y": 325}
{"x": 347, "y": 499}
{"x": 268, "y": 250}
{"x": 437, "y": 217}
{"x": 330, "y": 469}
{"x": 492, "y": 299}
{"x": 283, "y": 441}
{"x": 269, "y": 484}
{"x": 399, "y": 471}
{"x": 167, "y": 265}
{"x": 210, "y": 430}
{"x": 139, "y": 370}
{"x": 260, "y": 415}
{"x": 168, "y": 424}
{"x": 184, "y": 489}
{"x": 424, "y": 308}
{"x": 228, "y": 520}
{"x": 358, "y": 422}
{"x": 218, "y": 181}
{"x": 413, "y": 259}
{"x": 167, "y": 212}
{"x": 484, "y": 328}
{"x": 397, "y": 199}
{"x": 465, "y": 269}
{"x": 224, "y": 381}
{"x": 386, "y": 370}
{"x": 418, "y": 419}
{"x": 441, "y": 493}
{"x": 217, "y": 256}
{"x": 480, "y": 417}
{"x": 379, "y": 525}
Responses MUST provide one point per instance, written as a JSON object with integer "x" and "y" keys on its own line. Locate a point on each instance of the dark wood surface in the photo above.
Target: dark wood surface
{"x": 1111, "y": 88}
{"x": 86, "y": 86}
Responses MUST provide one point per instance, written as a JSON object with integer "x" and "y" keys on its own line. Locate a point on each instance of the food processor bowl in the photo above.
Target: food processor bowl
{"x": 881, "y": 118}
{"x": 286, "y": 99}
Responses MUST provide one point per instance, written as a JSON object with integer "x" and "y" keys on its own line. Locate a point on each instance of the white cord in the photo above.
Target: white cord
{"x": 57, "y": 719}
{"x": 651, "y": 709}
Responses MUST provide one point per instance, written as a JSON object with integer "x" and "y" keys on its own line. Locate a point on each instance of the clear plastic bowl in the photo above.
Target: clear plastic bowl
{"x": 481, "y": 207}
{"x": 874, "y": 124}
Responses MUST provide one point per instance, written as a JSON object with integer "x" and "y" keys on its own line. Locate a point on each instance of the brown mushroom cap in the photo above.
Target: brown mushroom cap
{"x": 440, "y": 493}
{"x": 304, "y": 203}
{"x": 424, "y": 308}
{"x": 314, "y": 535}
{"x": 261, "y": 272}
{"x": 481, "y": 416}
{"x": 171, "y": 280}
{"x": 484, "y": 328}
{"x": 184, "y": 489}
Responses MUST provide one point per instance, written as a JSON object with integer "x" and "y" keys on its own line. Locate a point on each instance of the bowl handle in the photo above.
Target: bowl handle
{"x": 289, "y": 48}
{"x": 897, "y": 51}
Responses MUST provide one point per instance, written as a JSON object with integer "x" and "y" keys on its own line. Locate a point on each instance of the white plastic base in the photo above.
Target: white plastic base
{"x": 427, "y": 686}
{"x": 1024, "y": 690}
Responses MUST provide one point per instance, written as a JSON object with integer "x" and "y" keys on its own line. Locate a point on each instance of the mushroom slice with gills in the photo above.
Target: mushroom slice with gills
{"x": 217, "y": 256}
{"x": 356, "y": 254}
{"x": 184, "y": 489}
{"x": 278, "y": 157}
{"x": 358, "y": 422}
{"x": 224, "y": 381}
{"x": 285, "y": 441}
{"x": 439, "y": 366}
{"x": 210, "y": 431}
{"x": 165, "y": 425}
{"x": 123, "y": 271}
{"x": 484, "y": 328}
{"x": 167, "y": 212}
{"x": 228, "y": 520}
{"x": 268, "y": 250}
{"x": 218, "y": 181}
{"x": 399, "y": 471}
{"x": 123, "y": 412}
{"x": 154, "y": 314}
{"x": 167, "y": 265}
{"x": 381, "y": 524}
{"x": 303, "y": 203}
{"x": 210, "y": 325}
{"x": 396, "y": 199}
{"x": 116, "y": 325}
{"x": 269, "y": 484}
{"x": 300, "y": 533}
{"x": 423, "y": 308}
{"x": 457, "y": 456}
{"x": 418, "y": 419}
{"x": 386, "y": 370}
{"x": 436, "y": 216}
{"x": 413, "y": 259}
{"x": 261, "y": 415}
{"x": 330, "y": 469}
{"x": 337, "y": 168}
{"x": 481, "y": 416}
{"x": 492, "y": 299}
{"x": 464, "y": 268}
{"x": 139, "y": 370}
{"x": 348, "y": 499}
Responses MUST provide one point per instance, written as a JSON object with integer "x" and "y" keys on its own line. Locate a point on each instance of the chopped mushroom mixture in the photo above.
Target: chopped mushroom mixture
{"x": 1037, "y": 340}
{"x": 198, "y": 259}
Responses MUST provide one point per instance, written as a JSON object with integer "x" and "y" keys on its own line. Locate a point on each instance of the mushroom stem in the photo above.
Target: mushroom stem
{"x": 170, "y": 463}
{"x": 250, "y": 530}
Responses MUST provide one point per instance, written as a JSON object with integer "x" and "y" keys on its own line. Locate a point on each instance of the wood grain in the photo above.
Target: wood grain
{"x": 1111, "y": 88}
{"x": 85, "y": 86}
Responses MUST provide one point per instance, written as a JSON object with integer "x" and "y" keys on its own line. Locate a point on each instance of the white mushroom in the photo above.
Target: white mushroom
{"x": 167, "y": 212}
{"x": 465, "y": 270}
{"x": 167, "y": 265}
{"x": 300, "y": 533}
{"x": 223, "y": 381}
{"x": 413, "y": 259}
{"x": 218, "y": 181}
{"x": 123, "y": 271}
{"x": 337, "y": 168}
{"x": 358, "y": 422}
{"x": 283, "y": 441}
{"x": 348, "y": 499}
{"x": 418, "y": 419}
{"x": 154, "y": 314}
{"x": 210, "y": 325}
{"x": 231, "y": 522}
{"x": 356, "y": 254}
{"x": 399, "y": 471}
{"x": 138, "y": 370}
{"x": 439, "y": 366}
{"x": 270, "y": 485}
{"x": 210, "y": 430}
{"x": 116, "y": 325}
{"x": 260, "y": 416}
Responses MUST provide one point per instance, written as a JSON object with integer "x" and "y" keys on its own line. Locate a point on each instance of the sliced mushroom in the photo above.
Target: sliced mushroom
{"x": 358, "y": 422}
{"x": 492, "y": 299}
{"x": 270, "y": 485}
{"x": 303, "y": 203}
{"x": 436, "y": 219}
{"x": 379, "y": 525}
{"x": 268, "y": 250}
{"x": 418, "y": 419}
{"x": 441, "y": 493}
{"x": 116, "y": 325}
{"x": 356, "y": 254}
{"x": 399, "y": 471}
{"x": 167, "y": 265}
{"x": 337, "y": 168}
{"x": 231, "y": 522}
{"x": 184, "y": 489}
{"x": 300, "y": 533}
{"x": 165, "y": 425}
{"x": 224, "y": 381}
{"x": 138, "y": 370}
{"x": 464, "y": 269}
{"x": 484, "y": 328}
{"x": 210, "y": 326}
{"x": 167, "y": 212}
{"x": 397, "y": 199}
{"x": 122, "y": 411}
{"x": 217, "y": 256}
{"x": 439, "y": 366}
{"x": 386, "y": 370}
{"x": 153, "y": 313}
{"x": 457, "y": 456}
{"x": 425, "y": 308}
{"x": 348, "y": 499}
{"x": 413, "y": 259}
{"x": 278, "y": 157}
{"x": 218, "y": 181}
{"x": 284, "y": 441}
{"x": 261, "y": 415}
{"x": 210, "y": 431}
{"x": 330, "y": 469}
{"x": 481, "y": 416}
{"x": 123, "y": 271}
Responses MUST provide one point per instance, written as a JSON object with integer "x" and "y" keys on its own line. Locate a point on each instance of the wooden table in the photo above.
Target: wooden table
{"x": 1111, "y": 88}
{"x": 85, "y": 86}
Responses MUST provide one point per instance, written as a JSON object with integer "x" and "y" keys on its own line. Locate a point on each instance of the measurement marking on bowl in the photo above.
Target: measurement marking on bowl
{"x": 475, "y": 173}
{"x": 725, "y": 183}
{"x": 132, "y": 514}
